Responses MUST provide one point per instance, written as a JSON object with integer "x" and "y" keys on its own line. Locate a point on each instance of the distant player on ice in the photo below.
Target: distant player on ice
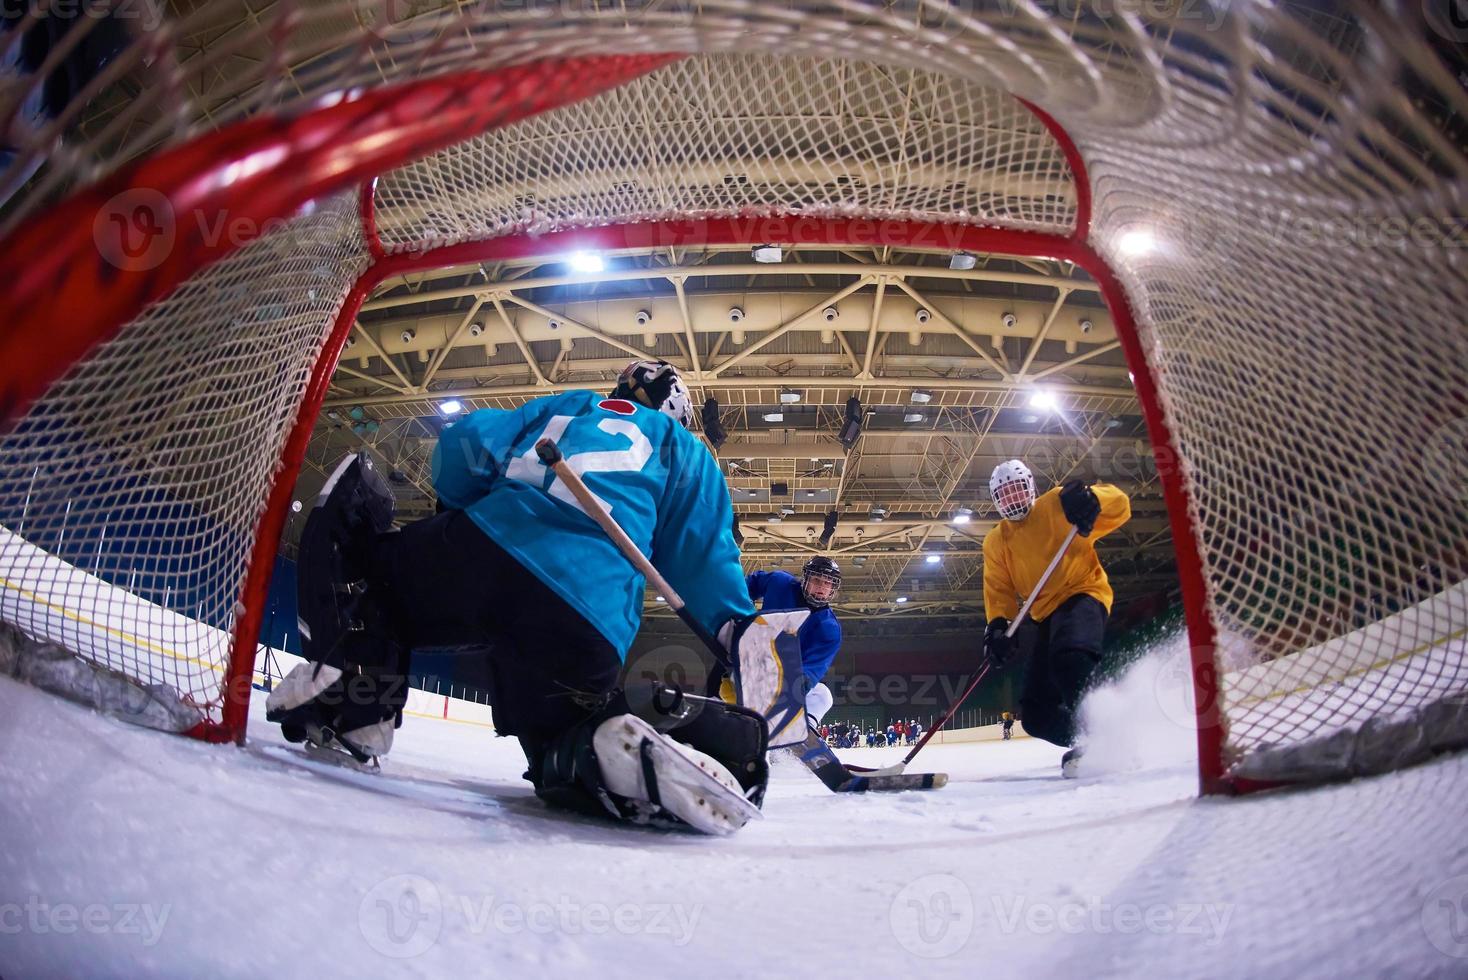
{"x": 1007, "y": 719}
{"x": 820, "y": 634}
{"x": 1063, "y": 633}
{"x": 514, "y": 566}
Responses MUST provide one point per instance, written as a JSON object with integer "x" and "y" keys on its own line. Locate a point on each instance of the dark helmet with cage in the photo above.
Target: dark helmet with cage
{"x": 656, "y": 385}
{"x": 821, "y": 581}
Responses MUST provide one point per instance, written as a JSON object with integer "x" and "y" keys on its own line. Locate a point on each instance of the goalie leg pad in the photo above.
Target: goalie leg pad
{"x": 660, "y": 758}
{"x": 340, "y": 619}
{"x": 654, "y": 774}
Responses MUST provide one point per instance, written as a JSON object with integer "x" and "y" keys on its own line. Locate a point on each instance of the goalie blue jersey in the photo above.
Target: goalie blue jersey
{"x": 659, "y": 482}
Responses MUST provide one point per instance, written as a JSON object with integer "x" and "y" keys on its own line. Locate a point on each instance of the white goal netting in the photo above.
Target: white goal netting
{"x": 1279, "y": 189}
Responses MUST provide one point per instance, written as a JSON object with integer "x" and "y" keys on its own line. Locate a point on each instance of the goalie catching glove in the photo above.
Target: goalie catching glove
{"x": 654, "y": 755}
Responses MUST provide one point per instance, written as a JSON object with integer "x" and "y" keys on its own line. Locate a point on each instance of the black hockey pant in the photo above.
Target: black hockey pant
{"x": 445, "y": 583}
{"x": 1067, "y": 649}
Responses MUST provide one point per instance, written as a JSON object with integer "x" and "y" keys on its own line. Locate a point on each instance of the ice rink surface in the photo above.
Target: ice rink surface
{"x": 129, "y": 853}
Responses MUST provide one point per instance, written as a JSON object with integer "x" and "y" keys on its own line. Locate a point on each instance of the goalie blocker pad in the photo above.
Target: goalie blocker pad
{"x": 768, "y": 675}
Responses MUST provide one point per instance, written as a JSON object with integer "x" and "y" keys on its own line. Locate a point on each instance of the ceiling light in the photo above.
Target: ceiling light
{"x": 789, "y": 397}
{"x": 661, "y": 599}
{"x": 933, "y": 559}
{"x": 774, "y": 416}
{"x": 921, "y": 397}
{"x": 962, "y": 261}
{"x": 1137, "y": 241}
{"x": 963, "y": 515}
{"x": 860, "y": 559}
{"x": 901, "y": 598}
{"x": 1044, "y": 400}
{"x": 767, "y": 253}
{"x": 774, "y": 519}
{"x": 586, "y": 262}
{"x": 787, "y": 511}
{"x": 913, "y": 417}
{"x": 450, "y": 406}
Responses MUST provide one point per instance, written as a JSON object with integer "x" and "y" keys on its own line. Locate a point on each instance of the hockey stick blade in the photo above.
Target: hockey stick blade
{"x": 817, "y": 756}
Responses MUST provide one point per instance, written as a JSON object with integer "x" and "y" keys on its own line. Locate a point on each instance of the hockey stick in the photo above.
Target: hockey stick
{"x": 550, "y": 455}
{"x": 984, "y": 671}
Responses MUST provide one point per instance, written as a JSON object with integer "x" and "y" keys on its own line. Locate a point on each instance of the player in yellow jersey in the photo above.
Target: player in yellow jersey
{"x": 1063, "y": 632}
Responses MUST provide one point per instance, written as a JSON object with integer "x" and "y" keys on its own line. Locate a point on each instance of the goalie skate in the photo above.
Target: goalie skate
{"x": 639, "y": 763}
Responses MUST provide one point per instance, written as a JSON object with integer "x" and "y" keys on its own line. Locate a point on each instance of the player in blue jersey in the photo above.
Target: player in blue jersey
{"x": 514, "y": 566}
{"x": 820, "y": 634}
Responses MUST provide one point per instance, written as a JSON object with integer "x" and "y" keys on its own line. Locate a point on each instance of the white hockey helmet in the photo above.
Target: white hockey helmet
{"x": 656, "y": 384}
{"x": 1012, "y": 486}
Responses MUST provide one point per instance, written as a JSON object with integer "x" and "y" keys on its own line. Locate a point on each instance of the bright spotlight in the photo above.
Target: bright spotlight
{"x": 586, "y": 262}
{"x": 451, "y": 406}
{"x": 1044, "y": 400}
{"x": 933, "y": 559}
{"x": 1136, "y": 242}
{"x": 901, "y": 598}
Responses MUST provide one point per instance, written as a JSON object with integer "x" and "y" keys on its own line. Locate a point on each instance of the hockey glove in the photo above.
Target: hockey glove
{"x": 1081, "y": 507}
{"x": 998, "y": 648}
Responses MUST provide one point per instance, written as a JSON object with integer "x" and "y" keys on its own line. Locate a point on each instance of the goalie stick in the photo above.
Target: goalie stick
{"x": 1024, "y": 611}
{"x": 813, "y": 752}
{"x": 550, "y": 455}
{"x": 761, "y": 677}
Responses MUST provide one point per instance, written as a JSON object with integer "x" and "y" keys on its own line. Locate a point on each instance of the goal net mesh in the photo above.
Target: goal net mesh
{"x": 1277, "y": 189}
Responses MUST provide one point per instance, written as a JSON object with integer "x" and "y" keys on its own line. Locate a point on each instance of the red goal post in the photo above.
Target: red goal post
{"x": 75, "y": 292}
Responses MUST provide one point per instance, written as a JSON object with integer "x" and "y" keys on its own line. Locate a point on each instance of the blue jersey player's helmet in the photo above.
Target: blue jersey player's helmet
{"x": 656, "y": 385}
{"x": 821, "y": 582}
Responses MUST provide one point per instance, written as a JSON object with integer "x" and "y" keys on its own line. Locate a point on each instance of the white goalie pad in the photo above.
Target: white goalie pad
{"x": 767, "y": 673}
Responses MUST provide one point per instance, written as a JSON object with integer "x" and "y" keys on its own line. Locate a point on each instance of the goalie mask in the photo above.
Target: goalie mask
{"x": 821, "y": 582}
{"x": 1013, "y": 489}
{"x": 656, "y": 385}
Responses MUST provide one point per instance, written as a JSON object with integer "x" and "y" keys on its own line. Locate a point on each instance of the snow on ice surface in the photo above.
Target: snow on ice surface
{"x": 183, "y": 859}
